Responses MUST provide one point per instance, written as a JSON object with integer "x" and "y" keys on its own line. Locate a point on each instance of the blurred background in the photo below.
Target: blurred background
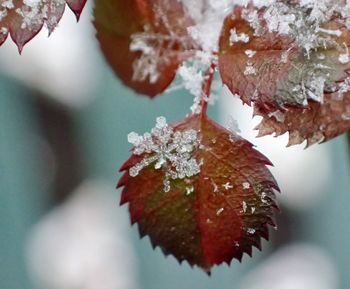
{"x": 64, "y": 119}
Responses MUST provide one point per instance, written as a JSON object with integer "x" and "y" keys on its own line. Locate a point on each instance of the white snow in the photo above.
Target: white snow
{"x": 167, "y": 150}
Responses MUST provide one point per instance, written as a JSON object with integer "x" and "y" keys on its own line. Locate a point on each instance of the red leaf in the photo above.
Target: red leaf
{"x": 213, "y": 216}
{"x": 143, "y": 41}
{"x": 266, "y": 68}
{"x": 24, "y": 21}
{"x": 76, "y": 6}
{"x": 316, "y": 123}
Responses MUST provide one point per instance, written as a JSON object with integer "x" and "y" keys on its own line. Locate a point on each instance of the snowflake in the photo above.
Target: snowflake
{"x": 168, "y": 150}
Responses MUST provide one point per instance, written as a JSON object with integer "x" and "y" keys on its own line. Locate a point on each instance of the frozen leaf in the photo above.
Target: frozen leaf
{"x": 144, "y": 41}
{"x": 23, "y": 19}
{"x": 316, "y": 123}
{"x": 283, "y": 55}
{"x": 215, "y": 207}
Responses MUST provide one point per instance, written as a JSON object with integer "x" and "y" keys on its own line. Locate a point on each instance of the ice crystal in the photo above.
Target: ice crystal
{"x": 241, "y": 37}
{"x": 249, "y": 69}
{"x": 167, "y": 150}
{"x": 156, "y": 49}
{"x": 220, "y": 211}
{"x": 246, "y": 185}
{"x": 227, "y": 186}
{"x": 251, "y": 231}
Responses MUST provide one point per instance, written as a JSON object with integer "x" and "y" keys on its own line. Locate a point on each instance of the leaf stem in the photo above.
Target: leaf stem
{"x": 208, "y": 81}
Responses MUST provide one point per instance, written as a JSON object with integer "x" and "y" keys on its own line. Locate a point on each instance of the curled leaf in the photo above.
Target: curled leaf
{"x": 143, "y": 41}
{"x": 23, "y": 20}
{"x": 212, "y": 206}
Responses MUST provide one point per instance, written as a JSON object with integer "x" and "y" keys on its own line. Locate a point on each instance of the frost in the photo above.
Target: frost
{"x": 279, "y": 19}
{"x": 249, "y": 70}
{"x": 220, "y": 211}
{"x": 208, "y": 16}
{"x": 192, "y": 74}
{"x": 8, "y": 4}
{"x": 251, "y": 231}
{"x": 189, "y": 190}
{"x": 242, "y": 37}
{"x": 227, "y": 186}
{"x": 168, "y": 150}
{"x": 245, "y": 207}
{"x": 246, "y": 185}
{"x": 157, "y": 49}
{"x": 250, "y": 53}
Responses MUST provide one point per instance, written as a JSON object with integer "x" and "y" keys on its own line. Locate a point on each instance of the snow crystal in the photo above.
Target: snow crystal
{"x": 227, "y": 186}
{"x": 241, "y": 37}
{"x": 246, "y": 185}
{"x": 220, "y": 211}
{"x": 251, "y": 231}
{"x": 245, "y": 207}
{"x": 249, "y": 70}
{"x": 208, "y": 16}
{"x": 189, "y": 190}
{"x": 215, "y": 186}
{"x": 168, "y": 150}
{"x": 250, "y": 53}
{"x": 264, "y": 198}
{"x": 8, "y": 4}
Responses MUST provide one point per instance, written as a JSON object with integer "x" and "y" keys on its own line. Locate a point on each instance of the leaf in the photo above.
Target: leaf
{"x": 143, "y": 41}
{"x": 277, "y": 70}
{"x": 24, "y": 20}
{"x": 316, "y": 123}
{"x": 211, "y": 217}
{"x": 76, "y": 6}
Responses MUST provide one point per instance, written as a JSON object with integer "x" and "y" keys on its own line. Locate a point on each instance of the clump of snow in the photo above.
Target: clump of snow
{"x": 208, "y": 16}
{"x": 168, "y": 150}
{"x": 241, "y": 37}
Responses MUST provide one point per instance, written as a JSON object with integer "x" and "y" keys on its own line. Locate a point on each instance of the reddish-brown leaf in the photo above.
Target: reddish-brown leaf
{"x": 76, "y": 6}
{"x": 157, "y": 32}
{"x": 267, "y": 68}
{"x": 316, "y": 123}
{"x": 214, "y": 216}
{"x": 24, "y": 21}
